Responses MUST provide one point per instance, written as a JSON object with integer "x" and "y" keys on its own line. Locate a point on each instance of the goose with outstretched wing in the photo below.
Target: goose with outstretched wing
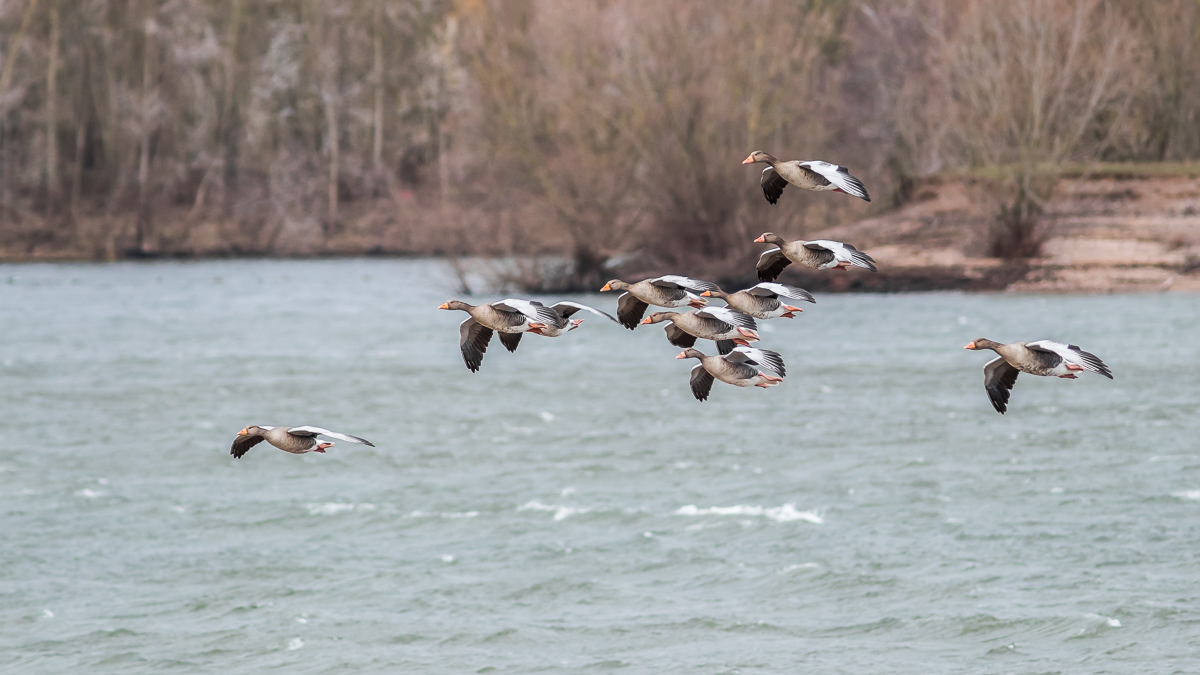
{"x": 738, "y": 368}
{"x": 296, "y": 440}
{"x": 669, "y": 291}
{"x": 509, "y": 317}
{"x": 819, "y": 254}
{"x": 1045, "y": 358}
{"x": 806, "y": 175}
{"x": 762, "y": 301}
{"x": 724, "y": 326}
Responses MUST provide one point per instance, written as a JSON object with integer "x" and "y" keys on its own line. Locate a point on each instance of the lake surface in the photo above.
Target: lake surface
{"x": 571, "y": 507}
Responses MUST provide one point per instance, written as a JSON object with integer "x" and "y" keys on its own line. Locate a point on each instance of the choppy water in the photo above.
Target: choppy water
{"x": 571, "y": 508}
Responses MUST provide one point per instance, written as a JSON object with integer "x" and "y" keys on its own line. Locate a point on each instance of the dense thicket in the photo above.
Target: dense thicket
{"x": 584, "y": 129}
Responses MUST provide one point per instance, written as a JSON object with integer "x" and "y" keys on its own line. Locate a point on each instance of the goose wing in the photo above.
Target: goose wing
{"x": 242, "y": 444}
{"x": 843, "y": 252}
{"x": 566, "y": 308}
{"x": 677, "y": 337}
{"x": 772, "y": 184}
{"x": 771, "y": 264}
{"x": 676, "y": 281}
{"x": 473, "y": 342}
{"x": 998, "y": 379}
{"x": 1072, "y": 354}
{"x": 535, "y": 311}
{"x": 701, "y": 382}
{"x": 729, "y": 316}
{"x": 753, "y": 356}
{"x": 769, "y": 290}
{"x": 318, "y": 431}
{"x": 510, "y": 340}
{"x": 630, "y": 310}
{"x": 838, "y": 176}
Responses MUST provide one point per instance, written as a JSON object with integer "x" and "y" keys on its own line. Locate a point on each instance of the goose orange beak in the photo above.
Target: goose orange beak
{"x": 444, "y": 305}
{"x": 606, "y": 288}
{"x": 748, "y": 160}
{"x": 682, "y": 355}
{"x": 243, "y": 432}
{"x": 760, "y": 240}
{"x": 706, "y": 294}
{"x": 970, "y": 346}
{"x": 646, "y": 320}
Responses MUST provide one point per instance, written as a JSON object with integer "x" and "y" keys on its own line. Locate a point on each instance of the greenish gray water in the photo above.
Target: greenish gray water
{"x": 571, "y": 508}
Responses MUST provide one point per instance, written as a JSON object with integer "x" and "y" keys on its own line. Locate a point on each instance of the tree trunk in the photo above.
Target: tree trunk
{"x": 143, "y": 211}
{"x": 377, "y": 75}
{"x": 330, "y": 100}
{"x": 52, "y": 184}
{"x": 227, "y": 125}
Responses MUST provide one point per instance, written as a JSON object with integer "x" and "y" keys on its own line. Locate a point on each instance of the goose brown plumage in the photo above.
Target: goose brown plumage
{"x": 509, "y": 317}
{"x": 819, "y": 254}
{"x": 736, "y": 368}
{"x": 670, "y": 291}
{"x": 761, "y": 301}
{"x": 1040, "y": 357}
{"x": 296, "y": 440}
{"x": 806, "y": 175}
{"x": 724, "y": 326}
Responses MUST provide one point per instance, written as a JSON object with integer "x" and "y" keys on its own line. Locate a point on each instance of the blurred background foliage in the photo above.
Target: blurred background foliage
{"x": 593, "y": 133}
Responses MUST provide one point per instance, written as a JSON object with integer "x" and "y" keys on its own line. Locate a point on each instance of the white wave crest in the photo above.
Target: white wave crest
{"x": 560, "y": 512}
{"x": 1187, "y": 494}
{"x": 1108, "y": 620}
{"x": 334, "y": 508}
{"x": 780, "y": 514}
{"x": 448, "y": 514}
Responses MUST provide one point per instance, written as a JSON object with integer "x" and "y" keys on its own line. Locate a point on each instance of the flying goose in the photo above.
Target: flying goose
{"x": 736, "y": 368}
{"x": 820, "y": 254}
{"x": 666, "y": 291}
{"x": 1042, "y": 357}
{"x": 565, "y": 324}
{"x": 296, "y": 440}
{"x": 720, "y": 324}
{"x": 509, "y": 317}
{"x": 811, "y": 175}
{"x": 762, "y": 300}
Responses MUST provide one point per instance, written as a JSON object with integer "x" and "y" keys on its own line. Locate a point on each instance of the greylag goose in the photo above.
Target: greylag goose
{"x": 762, "y": 300}
{"x": 296, "y": 440}
{"x": 736, "y": 368}
{"x": 811, "y": 175}
{"x": 1042, "y": 357}
{"x": 720, "y": 324}
{"x": 666, "y": 291}
{"x": 820, "y": 254}
{"x": 509, "y": 317}
{"x": 565, "y": 324}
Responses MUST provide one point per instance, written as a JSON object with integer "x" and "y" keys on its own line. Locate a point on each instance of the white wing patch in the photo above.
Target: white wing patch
{"x": 305, "y": 430}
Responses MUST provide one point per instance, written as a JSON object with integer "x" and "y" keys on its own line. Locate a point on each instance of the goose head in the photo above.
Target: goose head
{"x": 455, "y": 304}
{"x": 770, "y": 238}
{"x": 690, "y": 353}
{"x": 658, "y": 317}
{"x": 615, "y": 285}
{"x": 716, "y": 293}
{"x": 758, "y": 156}
{"x": 983, "y": 343}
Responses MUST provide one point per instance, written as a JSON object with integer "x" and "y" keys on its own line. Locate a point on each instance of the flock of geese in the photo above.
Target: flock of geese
{"x": 732, "y": 328}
